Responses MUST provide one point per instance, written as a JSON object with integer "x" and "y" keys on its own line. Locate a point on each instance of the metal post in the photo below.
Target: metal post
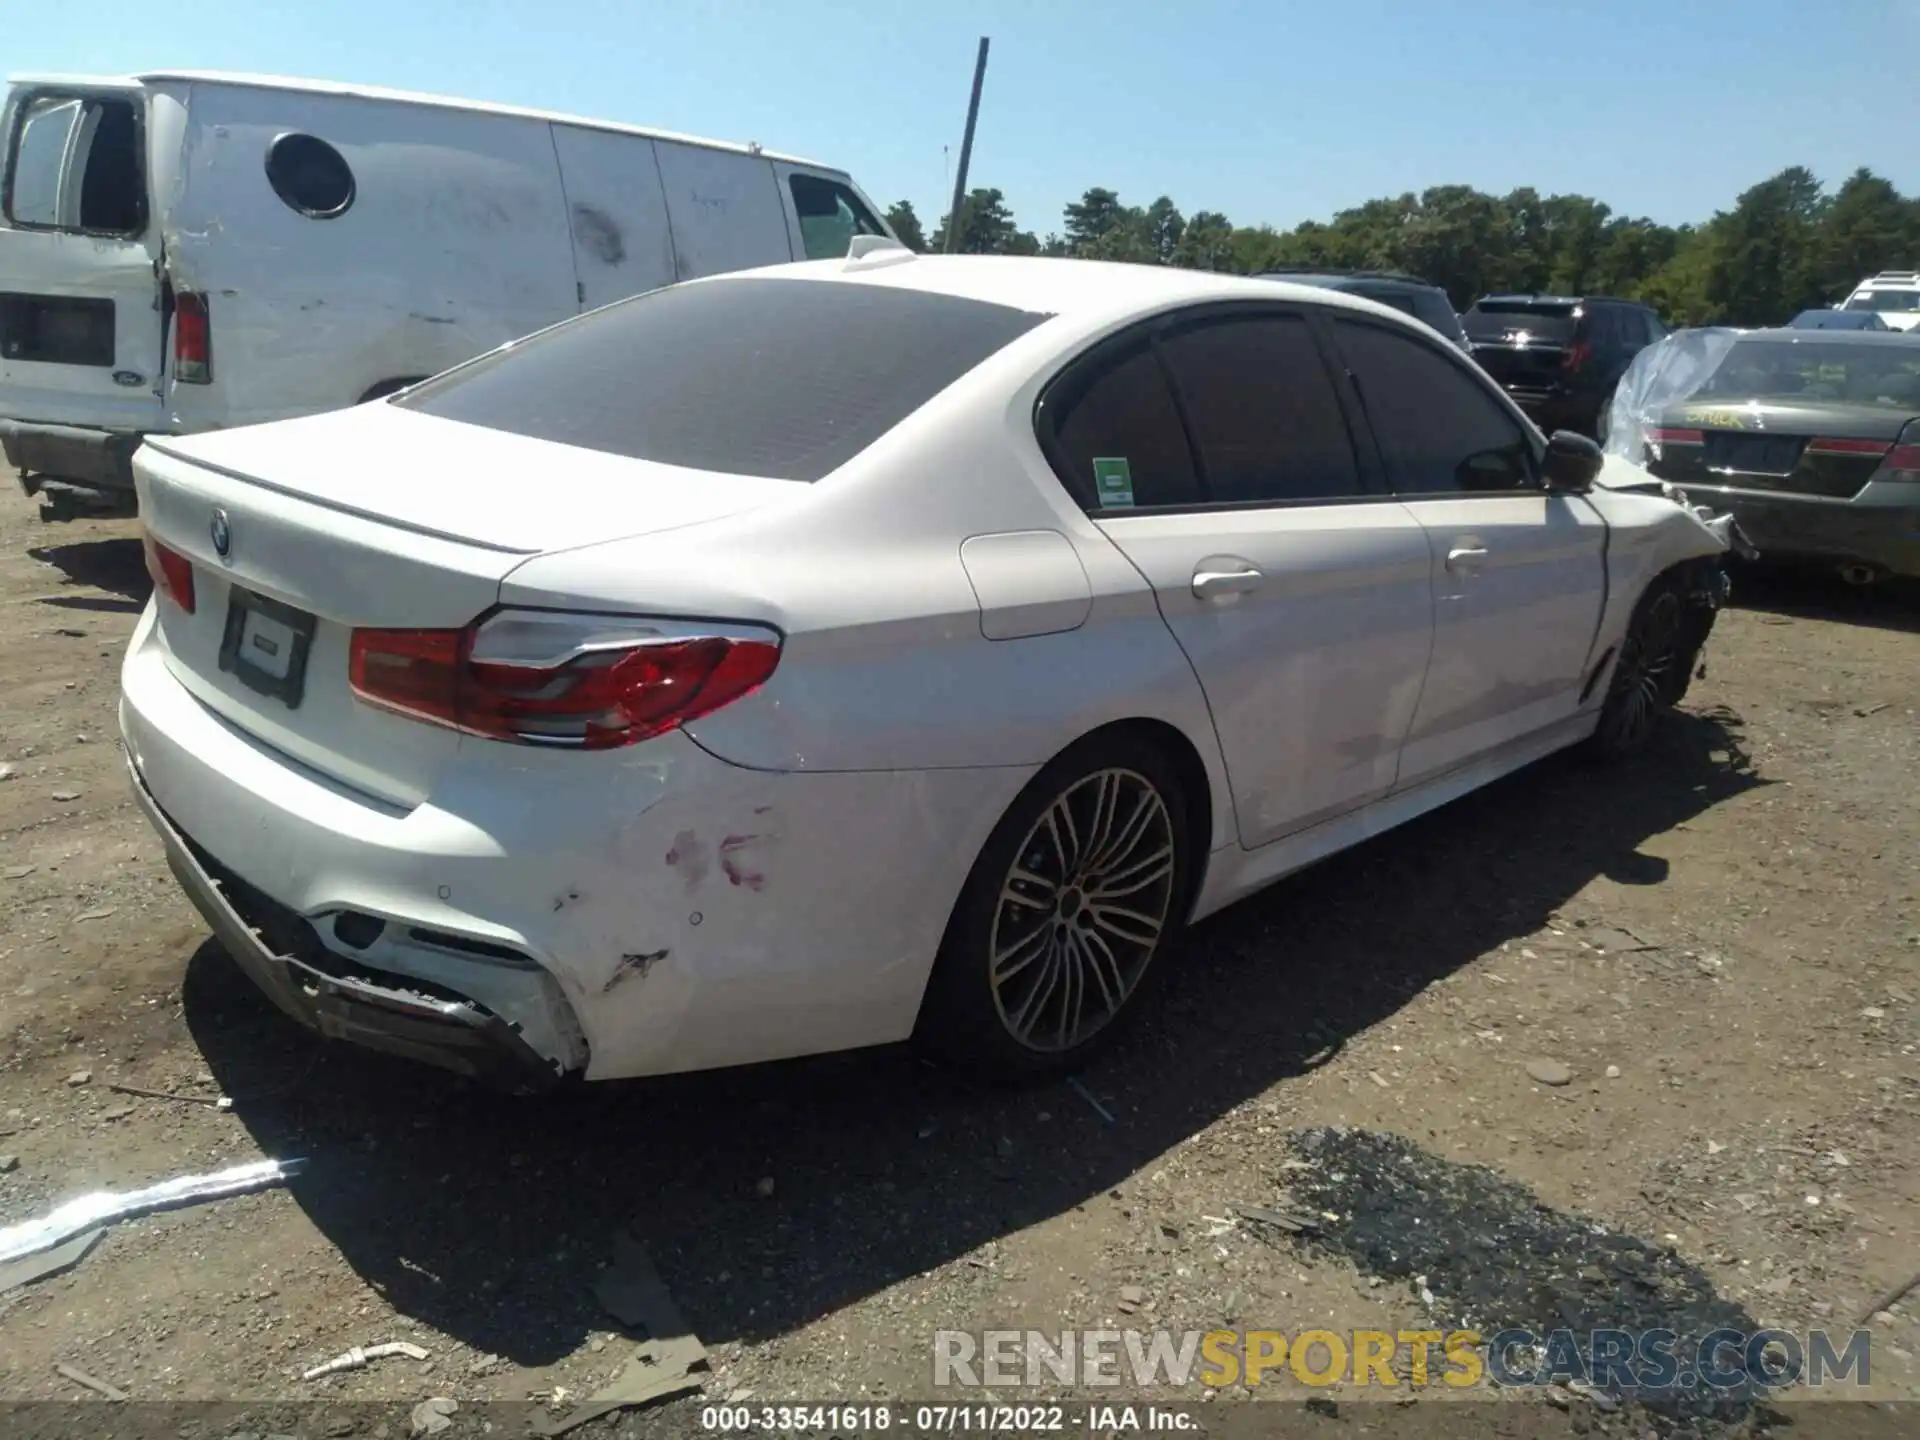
{"x": 966, "y": 149}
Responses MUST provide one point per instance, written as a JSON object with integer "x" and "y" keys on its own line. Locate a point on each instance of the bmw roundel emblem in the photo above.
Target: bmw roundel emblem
{"x": 222, "y": 531}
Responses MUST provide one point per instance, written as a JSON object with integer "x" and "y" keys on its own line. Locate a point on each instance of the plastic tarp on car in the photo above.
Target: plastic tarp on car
{"x": 1666, "y": 373}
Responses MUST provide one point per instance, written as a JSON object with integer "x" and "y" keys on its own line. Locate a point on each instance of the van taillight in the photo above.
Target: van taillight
{"x": 171, "y": 571}
{"x": 192, "y": 340}
{"x": 548, "y": 679}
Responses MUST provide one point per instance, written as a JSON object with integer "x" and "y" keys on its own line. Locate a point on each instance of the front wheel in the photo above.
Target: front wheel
{"x": 1651, "y": 675}
{"x": 1069, "y": 907}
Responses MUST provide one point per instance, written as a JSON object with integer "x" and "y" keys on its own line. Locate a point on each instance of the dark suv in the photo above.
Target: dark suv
{"x": 1407, "y": 293}
{"x": 1560, "y": 356}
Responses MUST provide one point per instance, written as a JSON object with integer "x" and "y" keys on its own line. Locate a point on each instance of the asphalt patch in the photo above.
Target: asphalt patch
{"x": 1487, "y": 1255}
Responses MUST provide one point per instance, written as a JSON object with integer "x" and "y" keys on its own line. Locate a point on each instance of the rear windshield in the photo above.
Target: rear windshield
{"x": 785, "y": 379}
{"x": 1544, "y": 320}
{"x": 1834, "y": 371}
{"x": 1885, "y": 301}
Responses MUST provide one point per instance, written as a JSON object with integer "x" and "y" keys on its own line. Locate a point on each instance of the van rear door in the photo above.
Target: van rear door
{"x": 81, "y": 330}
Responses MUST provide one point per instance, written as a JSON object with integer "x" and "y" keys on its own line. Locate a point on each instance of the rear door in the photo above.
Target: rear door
{"x": 81, "y": 332}
{"x": 1518, "y": 576}
{"x": 725, "y": 209}
{"x": 617, "y": 213}
{"x": 1301, "y": 599}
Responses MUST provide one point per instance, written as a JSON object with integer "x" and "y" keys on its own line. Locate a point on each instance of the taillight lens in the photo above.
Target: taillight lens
{"x": 1577, "y": 356}
{"x": 172, "y": 572}
{"x": 1902, "y": 463}
{"x": 580, "y": 682}
{"x": 1668, "y": 435}
{"x": 192, "y": 340}
{"x": 1827, "y": 446}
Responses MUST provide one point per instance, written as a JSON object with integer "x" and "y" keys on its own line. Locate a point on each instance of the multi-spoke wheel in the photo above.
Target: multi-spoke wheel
{"x": 1073, "y": 897}
{"x": 1649, "y": 674}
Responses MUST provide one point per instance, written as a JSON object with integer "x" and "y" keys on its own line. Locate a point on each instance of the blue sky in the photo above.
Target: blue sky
{"x": 1274, "y": 112}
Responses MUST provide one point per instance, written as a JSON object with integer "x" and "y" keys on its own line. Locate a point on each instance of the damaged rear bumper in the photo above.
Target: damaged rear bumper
{"x": 451, "y": 1034}
{"x": 72, "y": 468}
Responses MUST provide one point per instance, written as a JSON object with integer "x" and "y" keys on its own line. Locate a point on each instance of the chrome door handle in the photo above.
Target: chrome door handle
{"x": 1214, "y": 584}
{"x": 1466, "y": 557}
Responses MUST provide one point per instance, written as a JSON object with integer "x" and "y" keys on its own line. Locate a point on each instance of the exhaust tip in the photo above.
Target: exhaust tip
{"x": 1857, "y": 574}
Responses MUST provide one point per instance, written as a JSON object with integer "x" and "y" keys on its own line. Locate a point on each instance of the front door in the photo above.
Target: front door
{"x": 1518, "y": 575}
{"x": 1303, "y": 601}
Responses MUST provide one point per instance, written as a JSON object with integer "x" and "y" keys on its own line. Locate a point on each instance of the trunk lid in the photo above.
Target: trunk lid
{"x": 82, "y": 335}
{"x": 380, "y": 518}
{"x": 1822, "y": 449}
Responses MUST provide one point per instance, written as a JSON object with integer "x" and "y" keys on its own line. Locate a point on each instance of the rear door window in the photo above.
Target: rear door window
{"x": 785, "y": 379}
{"x": 1439, "y": 429}
{"x": 74, "y": 163}
{"x": 1113, "y": 432}
{"x": 1435, "y": 309}
{"x": 830, "y": 216}
{"x": 1266, "y": 419}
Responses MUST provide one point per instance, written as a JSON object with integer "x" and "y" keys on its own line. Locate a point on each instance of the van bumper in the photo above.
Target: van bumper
{"x": 75, "y": 471}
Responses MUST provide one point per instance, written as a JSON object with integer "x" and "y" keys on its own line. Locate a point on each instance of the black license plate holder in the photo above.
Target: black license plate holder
{"x": 266, "y": 645}
{"x": 1754, "y": 454}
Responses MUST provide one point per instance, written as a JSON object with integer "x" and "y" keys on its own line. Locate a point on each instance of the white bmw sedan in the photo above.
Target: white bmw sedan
{"x": 899, "y": 646}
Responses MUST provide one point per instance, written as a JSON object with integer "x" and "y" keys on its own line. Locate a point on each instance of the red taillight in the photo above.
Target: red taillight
{"x": 1827, "y": 446}
{"x": 598, "y": 695}
{"x": 1668, "y": 435}
{"x": 1577, "y": 356}
{"x": 1902, "y": 463}
{"x": 172, "y": 572}
{"x": 192, "y": 340}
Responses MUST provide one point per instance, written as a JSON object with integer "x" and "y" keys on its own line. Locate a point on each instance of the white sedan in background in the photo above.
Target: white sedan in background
{"x": 830, "y": 654}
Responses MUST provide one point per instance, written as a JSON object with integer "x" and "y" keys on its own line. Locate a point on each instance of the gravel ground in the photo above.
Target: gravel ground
{"x": 1581, "y": 1031}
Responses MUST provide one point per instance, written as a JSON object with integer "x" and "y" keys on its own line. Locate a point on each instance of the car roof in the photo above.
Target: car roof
{"x": 1347, "y": 277}
{"x": 1083, "y": 289}
{"x": 1557, "y": 300}
{"x": 398, "y": 97}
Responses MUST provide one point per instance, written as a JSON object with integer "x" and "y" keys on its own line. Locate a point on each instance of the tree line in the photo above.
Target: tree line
{"x": 1788, "y": 244}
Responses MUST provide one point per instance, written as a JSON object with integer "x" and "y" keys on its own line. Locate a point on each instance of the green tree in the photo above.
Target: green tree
{"x": 1868, "y": 228}
{"x": 1766, "y": 250}
{"x": 1091, "y": 218}
{"x": 987, "y": 228}
{"x": 904, "y": 223}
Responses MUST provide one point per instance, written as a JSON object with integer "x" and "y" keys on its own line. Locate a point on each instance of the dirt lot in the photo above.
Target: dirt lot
{"x": 1722, "y": 944}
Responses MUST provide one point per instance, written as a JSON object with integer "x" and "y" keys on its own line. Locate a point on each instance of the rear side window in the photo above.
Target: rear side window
{"x": 1266, "y": 419}
{"x": 1433, "y": 308}
{"x": 784, "y": 379}
{"x": 1114, "y": 433}
{"x": 310, "y": 176}
{"x": 830, "y": 216}
{"x": 74, "y": 163}
{"x": 1439, "y": 430}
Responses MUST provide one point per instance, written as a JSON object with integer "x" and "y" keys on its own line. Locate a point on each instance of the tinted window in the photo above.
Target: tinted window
{"x": 1545, "y": 320}
{"x": 1436, "y": 310}
{"x": 1438, "y": 428}
{"x": 310, "y": 176}
{"x": 830, "y": 216}
{"x": 1888, "y": 302}
{"x": 1266, "y": 420}
{"x": 787, "y": 379}
{"x": 1116, "y": 437}
{"x": 1393, "y": 295}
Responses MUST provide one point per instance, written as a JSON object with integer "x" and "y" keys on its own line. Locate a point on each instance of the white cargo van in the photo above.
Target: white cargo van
{"x": 185, "y": 251}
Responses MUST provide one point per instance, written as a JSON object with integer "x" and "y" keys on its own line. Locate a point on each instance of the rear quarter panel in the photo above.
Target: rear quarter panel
{"x": 456, "y": 242}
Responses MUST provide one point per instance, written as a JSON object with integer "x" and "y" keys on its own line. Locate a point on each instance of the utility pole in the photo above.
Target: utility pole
{"x": 966, "y": 148}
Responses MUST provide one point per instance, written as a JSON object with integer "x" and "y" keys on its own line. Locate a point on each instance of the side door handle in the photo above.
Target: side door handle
{"x": 1469, "y": 555}
{"x": 1218, "y": 584}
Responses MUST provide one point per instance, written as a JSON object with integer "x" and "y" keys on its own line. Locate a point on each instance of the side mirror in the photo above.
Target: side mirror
{"x": 1573, "y": 463}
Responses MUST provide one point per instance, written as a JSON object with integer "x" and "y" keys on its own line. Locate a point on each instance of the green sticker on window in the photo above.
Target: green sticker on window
{"x": 1113, "y": 483}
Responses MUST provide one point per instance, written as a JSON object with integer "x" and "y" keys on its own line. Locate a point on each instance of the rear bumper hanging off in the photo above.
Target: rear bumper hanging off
{"x": 451, "y": 1034}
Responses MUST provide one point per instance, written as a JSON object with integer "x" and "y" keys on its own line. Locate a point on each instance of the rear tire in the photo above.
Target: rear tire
{"x": 1066, "y": 916}
{"x": 1652, "y": 672}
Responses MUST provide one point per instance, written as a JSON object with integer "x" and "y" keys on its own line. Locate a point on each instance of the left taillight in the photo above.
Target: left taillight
{"x": 172, "y": 572}
{"x": 581, "y": 682}
{"x": 1577, "y": 355}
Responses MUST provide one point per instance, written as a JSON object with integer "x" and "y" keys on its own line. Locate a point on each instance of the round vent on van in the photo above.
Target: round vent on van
{"x": 310, "y": 175}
